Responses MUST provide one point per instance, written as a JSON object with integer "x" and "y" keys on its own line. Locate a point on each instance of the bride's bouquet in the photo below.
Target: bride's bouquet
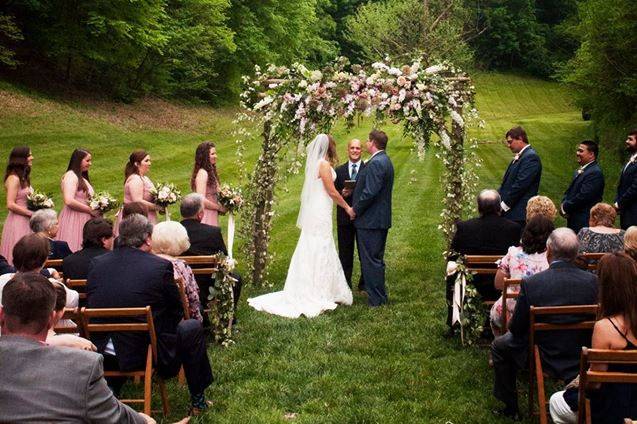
{"x": 103, "y": 202}
{"x": 39, "y": 200}
{"x": 230, "y": 198}
{"x": 165, "y": 194}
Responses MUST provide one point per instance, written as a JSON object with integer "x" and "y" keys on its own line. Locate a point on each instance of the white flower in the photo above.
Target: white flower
{"x": 457, "y": 118}
{"x": 316, "y": 75}
{"x": 434, "y": 69}
{"x": 302, "y": 84}
{"x": 394, "y": 71}
{"x": 266, "y": 101}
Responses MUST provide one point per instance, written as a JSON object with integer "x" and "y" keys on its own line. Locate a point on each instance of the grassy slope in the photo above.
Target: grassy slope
{"x": 354, "y": 364}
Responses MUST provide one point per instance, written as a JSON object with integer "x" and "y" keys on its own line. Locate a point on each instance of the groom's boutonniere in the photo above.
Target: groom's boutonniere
{"x": 516, "y": 157}
{"x": 580, "y": 170}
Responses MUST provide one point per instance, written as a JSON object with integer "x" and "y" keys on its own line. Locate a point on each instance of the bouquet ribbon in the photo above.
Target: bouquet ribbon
{"x": 230, "y": 233}
{"x": 458, "y": 291}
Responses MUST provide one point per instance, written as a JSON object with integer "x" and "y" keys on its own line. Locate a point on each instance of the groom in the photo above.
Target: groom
{"x": 372, "y": 205}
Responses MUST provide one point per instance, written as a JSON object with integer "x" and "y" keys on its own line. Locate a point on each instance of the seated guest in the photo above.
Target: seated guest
{"x": 131, "y": 276}
{"x": 45, "y": 223}
{"x": 67, "y": 340}
{"x": 41, "y": 383}
{"x": 97, "y": 239}
{"x": 29, "y": 255}
{"x": 562, "y": 284}
{"x": 540, "y": 205}
{"x": 615, "y": 330}
{"x": 601, "y": 236}
{"x": 170, "y": 239}
{"x": 490, "y": 234}
{"x": 127, "y": 210}
{"x": 630, "y": 242}
{"x": 204, "y": 240}
{"x": 520, "y": 262}
{"x": 5, "y": 268}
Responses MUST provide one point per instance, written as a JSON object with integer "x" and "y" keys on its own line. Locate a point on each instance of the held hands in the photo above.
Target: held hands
{"x": 346, "y": 192}
{"x": 351, "y": 213}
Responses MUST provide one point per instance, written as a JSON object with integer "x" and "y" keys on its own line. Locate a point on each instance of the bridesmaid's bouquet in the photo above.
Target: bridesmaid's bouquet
{"x": 103, "y": 202}
{"x": 230, "y": 198}
{"x": 165, "y": 194}
{"x": 39, "y": 200}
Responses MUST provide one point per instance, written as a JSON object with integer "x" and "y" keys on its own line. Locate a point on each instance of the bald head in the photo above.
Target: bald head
{"x": 489, "y": 202}
{"x": 562, "y": 244}
{"x": 354, "y": 150}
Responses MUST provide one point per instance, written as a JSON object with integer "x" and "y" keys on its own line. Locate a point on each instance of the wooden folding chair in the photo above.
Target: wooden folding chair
{"x": 182, "y": 294}
{"x": 132, "y": 324}
{"x": 508, "y": 282}
{"x": 535, "y": 361}
{"x": 592, "y": 259}
{"x": 72, "y": 314}
{"x": 55, "y": 264}
{"x": 588, "y": 377}
{"x": 482, "y": 265}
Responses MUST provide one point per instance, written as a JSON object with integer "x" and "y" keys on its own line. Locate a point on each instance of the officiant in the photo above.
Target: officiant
{"x": 346, "y": 175}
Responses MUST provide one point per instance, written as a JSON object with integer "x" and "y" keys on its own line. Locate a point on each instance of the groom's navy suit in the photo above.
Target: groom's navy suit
{"x": 586, "y": 190}
{"x": 372, "y": 204}
{"x": 521, "y": 181}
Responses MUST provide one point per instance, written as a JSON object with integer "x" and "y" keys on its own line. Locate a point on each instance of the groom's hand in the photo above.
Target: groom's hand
{"x": 346, "y": 192}
{"x": 351, "y": 213}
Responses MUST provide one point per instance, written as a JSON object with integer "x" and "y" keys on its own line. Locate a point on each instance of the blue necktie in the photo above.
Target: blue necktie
{"x": 354, "y": 173}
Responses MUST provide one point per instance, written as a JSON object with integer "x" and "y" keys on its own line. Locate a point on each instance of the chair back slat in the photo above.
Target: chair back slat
{"x": 204, "y": 271}
{"x": 79, "y": 285}
{"x": 184, "y": 300}
{"x": 53, "y": 263}
{"x": 508, "y": 282}
{"x": 72, "y": 314}
{"x": 199, "y": 260}
{"x": 481, "y": 259}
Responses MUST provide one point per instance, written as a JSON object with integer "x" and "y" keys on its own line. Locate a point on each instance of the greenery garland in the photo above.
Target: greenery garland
{"x": 221, "y": 299}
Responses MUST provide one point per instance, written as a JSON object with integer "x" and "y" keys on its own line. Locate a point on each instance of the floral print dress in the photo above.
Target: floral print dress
{"x": 517, "y": 264}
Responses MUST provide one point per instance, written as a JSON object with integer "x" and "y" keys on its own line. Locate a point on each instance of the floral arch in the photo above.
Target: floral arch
{"x": 291, "y": 105}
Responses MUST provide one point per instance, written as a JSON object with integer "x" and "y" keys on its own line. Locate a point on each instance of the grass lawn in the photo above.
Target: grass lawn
{"x": 355, "y": 364}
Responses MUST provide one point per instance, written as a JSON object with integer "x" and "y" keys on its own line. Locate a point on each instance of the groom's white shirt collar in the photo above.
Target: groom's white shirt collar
{"x": 375, "y": 153}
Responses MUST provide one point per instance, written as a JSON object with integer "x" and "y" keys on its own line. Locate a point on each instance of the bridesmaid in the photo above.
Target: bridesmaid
{"x": 18, "y": 185}
{"x": 137, "y": 185}
{"x": 205, "y": 181}
{"x": 76, "y": 192}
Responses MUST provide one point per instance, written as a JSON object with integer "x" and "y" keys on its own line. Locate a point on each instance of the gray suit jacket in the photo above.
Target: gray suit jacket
{"x": 372, "y": 194}
{"x": 40, "y": 383}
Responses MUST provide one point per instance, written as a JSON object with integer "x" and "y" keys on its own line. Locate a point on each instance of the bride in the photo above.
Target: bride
{"x": 315, "y": 280}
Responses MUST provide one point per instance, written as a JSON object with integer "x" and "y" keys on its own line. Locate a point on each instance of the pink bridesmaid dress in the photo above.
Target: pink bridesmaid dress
{"x": 210, "y": 217}
{"x": 148, "y": 185}
{"x": 15, "y": 227}
{"x": 71, "y": 222}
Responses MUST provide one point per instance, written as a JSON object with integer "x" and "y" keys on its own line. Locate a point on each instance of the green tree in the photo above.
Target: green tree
{"x": 9, "y": 35}
{"x": 605, "y": 65}
{"x": 435, "y": 28}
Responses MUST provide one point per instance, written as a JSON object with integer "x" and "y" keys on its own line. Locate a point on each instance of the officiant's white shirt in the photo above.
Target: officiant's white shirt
{"x": 358, "y": 167}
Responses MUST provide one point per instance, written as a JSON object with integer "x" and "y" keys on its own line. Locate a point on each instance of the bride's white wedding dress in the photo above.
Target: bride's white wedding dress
{"x": 315, "y": 280}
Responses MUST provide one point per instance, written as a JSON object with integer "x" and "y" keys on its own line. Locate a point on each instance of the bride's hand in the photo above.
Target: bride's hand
{"x": 351, "y": 213}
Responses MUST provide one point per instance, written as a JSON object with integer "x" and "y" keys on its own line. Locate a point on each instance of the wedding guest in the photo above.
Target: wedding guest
{"x": 586, "y": 188}
{"x": 45, "y": 223}
{"x": 97, "y": 239}
{"x": 137, "y": 186}
{"x": 29, "y": 255}
{"x": 541, "y": 205}
{"x": 601, "y": 236}
{"x": 626, "y": 199}
{"x": 521, "y": 262}
{"x": 5, "y": 268}
{"x": 170, "y": 239}
{"x": 127, "y": 210}
{"x": 562, "y": 284}
{"x": 346, "y": 231}
{"x": 521, "y": 180}
{"x": 630, "y": 242}
{"x": 76, "y": 191}
{"x": 131, "y": 276}
{"x": 45, "y": 384}
{"x": 489, "y": 234}
{"x": 615, "y": 330}
{"x": 17, "y": 183}
{"x": 205, "y": 181}
{"x": 204, "y": 240}
{"x": 66, "y": 340}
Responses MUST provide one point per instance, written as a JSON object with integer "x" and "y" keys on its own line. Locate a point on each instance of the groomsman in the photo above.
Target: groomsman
{"x": 521, "y": 180}
{"x": 626, "y": 200}
{"x": 586, "y": 189}
{"x": 345, "y": 227}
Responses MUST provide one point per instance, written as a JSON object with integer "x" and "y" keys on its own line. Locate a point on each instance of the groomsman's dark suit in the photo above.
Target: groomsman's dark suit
{"x": 372, "y": 205}
{"x": 207, "y": 240}
{"x": 627, "y": 195}
{"x": 346, "y": 230}
{"x": 586, "y": 190}
{"x": 129, "y": 277}
{"x": 562, "y": 284}
{"x": 521, "y": 181}
{"x": 58, "y": 249}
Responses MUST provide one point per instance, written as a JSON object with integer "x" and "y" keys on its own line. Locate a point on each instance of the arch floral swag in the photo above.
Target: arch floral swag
{"x": 291, "y": 105}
